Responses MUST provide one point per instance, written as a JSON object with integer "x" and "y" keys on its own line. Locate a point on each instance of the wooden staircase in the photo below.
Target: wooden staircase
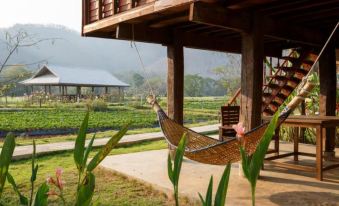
{"x": 286, "y": 78}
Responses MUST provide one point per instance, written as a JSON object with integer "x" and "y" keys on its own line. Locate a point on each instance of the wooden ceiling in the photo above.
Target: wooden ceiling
{"x": 287, "y": 23}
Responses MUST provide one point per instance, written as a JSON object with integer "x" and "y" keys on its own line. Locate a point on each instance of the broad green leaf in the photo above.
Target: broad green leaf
{"x": 23, "y": 199}
{"x": 106, "y": 149}
{"x": 41, "y": 197}
{"x": 259, "y": 154}
{"x": 86, "y": 190}
{"x": 34, "y": 167}
{"x": 245, "y": 163}
{"x": 170, "y": 168}
{"x": 208, "y": 200}
{"x": 220, "y": 196}
{"x": 179, "y": 154}
{"x": 88, "y": 150}
{"x": 79, "y": 147}
{"x": 202, "y": 199}
{"x": 5, "y": 158}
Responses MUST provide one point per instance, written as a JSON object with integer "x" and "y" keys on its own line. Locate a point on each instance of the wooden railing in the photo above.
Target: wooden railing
{"x": 95, "y": 10}
{"x": 233, "y": 100}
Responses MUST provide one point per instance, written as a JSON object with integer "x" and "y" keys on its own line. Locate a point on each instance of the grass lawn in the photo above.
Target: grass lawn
{"x": 21, "y": 141}
{"x": 111, "y": 189}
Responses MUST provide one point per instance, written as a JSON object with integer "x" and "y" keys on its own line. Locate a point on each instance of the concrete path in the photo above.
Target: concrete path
{"x": 276, "y": 186}
{"x": 22, "y": 152}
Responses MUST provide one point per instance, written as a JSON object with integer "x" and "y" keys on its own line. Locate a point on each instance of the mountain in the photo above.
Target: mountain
{"x": 70, "y": 49}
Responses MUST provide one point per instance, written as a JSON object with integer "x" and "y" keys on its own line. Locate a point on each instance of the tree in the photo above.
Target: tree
{"x": 16, "y": 40}
{"x": 138, "y": 80}
{"x": 229, "y": 75}
{"x": 194, "y": 85}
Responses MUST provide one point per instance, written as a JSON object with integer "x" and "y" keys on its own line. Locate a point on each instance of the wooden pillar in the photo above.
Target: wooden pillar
{"x": 252, "y": 75}
{"x": 45, "y": 89}
{"x": 50, "y": 89}
{"x": 327, "y": 97}
{"x": 78, "y": 93}
{"x": 175, "y": 81}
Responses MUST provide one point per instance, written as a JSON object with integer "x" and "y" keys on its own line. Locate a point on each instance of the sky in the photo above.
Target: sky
{"x": 61, "y": 12}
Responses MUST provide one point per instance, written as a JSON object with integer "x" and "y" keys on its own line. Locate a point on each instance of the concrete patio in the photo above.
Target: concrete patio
{"x": 277, "y": 186}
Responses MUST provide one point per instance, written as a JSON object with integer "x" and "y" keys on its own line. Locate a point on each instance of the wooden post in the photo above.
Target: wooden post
{"x": 327, "y": 97}
{"x": 175, "y": 81}
{"x": 252, "y": 75}
{"x": 78, "y": 93}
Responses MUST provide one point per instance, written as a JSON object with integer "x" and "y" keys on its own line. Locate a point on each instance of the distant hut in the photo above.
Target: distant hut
{"x": 70, "y": 83}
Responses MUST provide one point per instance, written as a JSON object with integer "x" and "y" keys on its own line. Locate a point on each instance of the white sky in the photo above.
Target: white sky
{"x": 62, "y": 12}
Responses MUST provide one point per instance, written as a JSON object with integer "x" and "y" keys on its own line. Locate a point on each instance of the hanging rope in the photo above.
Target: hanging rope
{"x": 147, "y": 77}
{"x": 305, "y": 78}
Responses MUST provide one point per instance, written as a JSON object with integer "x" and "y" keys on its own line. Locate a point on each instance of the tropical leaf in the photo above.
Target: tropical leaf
{"x": 5, "y": 159}
{"x": 79, "y": 147}
{"x": 87, "y": 151}
{"x": 41, "y": 197}
{"x": 22, "y": 198}
{"x": 34, "y": 167}
{"x": 179, "y": 155}
{"x": 252, "y": 165}
{"x": 86, "y": 190}
{"x": 106, "y": 149}
{"x": 220, "y": 196}
{"x": 170, "y": 168}
{"x": 258, "y": 157}
{"x": 208, "y": 200}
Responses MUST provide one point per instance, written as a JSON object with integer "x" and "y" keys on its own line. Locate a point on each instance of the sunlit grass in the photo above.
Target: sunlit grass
{"x": 111, "y": 188}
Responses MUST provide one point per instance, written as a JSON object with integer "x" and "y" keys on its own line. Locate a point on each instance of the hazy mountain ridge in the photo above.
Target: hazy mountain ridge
{"x": 70, "y": 49}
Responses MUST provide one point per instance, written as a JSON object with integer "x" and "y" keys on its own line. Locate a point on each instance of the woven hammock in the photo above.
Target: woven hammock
{"x": 208, "y": 150}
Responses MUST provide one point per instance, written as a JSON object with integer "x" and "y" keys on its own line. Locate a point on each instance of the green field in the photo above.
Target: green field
{"x": 111, "y": 189}
{"x": 197, "y": 110}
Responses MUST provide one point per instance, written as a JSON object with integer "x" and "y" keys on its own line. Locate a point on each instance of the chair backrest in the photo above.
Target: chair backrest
{"x": 230, "y": 115}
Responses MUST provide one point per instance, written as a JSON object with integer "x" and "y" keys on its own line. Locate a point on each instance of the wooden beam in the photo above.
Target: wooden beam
{"x": 175, "y": 81}
{"x": 327, "y": 97}
{"x": 252, "y": 75}
{"x": 217, "y": 15}
{"x": 290, "y": 32}
{"x": 142, "y": 33}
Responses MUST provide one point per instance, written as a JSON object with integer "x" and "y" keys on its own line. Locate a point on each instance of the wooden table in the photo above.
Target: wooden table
{"x": 318, "y": 122}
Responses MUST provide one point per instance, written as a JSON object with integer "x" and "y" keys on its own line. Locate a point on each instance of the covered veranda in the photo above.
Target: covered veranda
{"x": 73, "y": 84}
{"x": 254, "y": 29}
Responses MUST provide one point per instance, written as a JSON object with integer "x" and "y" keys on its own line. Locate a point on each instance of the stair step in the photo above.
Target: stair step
{"x": 266, "y": 95}
{"x": 268, "y": 112}
{"x": 294, "y": 70}
{"x": 273, "y": 86}
{"x": 289, "y": 88}
{"x": 279, "y": 99}
{"x": 294, "y": 60}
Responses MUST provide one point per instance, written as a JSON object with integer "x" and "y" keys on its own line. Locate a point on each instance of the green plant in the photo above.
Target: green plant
{"x": 86, "y": 179}
{"x": 220, "y": 197}
{"x": 5, "y": 159}
{"x": 174, "y": 172}
{"x": 41, "y": 196}
{"x": 251, "y": 165}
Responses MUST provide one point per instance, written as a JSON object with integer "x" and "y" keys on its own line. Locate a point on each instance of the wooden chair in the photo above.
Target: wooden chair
{"x": 229, "y": 116}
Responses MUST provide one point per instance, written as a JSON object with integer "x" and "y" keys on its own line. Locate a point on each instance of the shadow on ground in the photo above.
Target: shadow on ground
{"x": 298, "y": 198}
